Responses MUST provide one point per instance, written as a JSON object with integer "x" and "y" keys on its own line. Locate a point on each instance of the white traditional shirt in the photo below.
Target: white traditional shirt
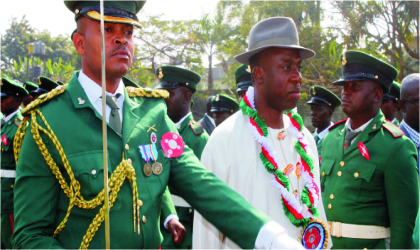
{"x": 233, "y": 155}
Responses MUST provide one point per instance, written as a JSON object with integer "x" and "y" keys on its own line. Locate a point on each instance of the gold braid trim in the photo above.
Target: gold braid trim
{"x": 147, "y": 92}
{"x": 116, "y": 180}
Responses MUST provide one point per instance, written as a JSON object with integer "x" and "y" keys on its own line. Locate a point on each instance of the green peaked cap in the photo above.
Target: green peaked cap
{"x": 114, "y": 11}
{"x": 45, "y": 85}
{"x": 224, "y": 103}
{"x": 359, "y": 66}
{"x": 322, "y": 96}
{"x": 171, "y": 77}
{"x": 10, "y": 87}
{"x": 394, "y": 92}
{"x": 30, "y": 86}
{"x": 243, "y": 78}
{"x": 129, "y": 83}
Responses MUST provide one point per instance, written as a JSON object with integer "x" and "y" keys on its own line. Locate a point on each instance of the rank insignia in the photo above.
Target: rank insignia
{"x": 363, "y": 150}
{"x": 172, "y": 144}
{"x": 160, "y": 73}
{"x": 153, "y": 138}
{"x": 344, "y": 59}
{"x": 4, "y": 140}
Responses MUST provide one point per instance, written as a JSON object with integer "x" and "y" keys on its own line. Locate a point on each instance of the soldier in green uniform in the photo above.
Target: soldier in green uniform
{"x": 12, "y": 95}
{"x": 243, "y": 80}
{"x": 181, "y": 85}
{"x": 29, "y": 86}
{"x": 369, "y": 172}
{"x": 323, "y": 103}
{"x": 59, "y": 174}
{"x": 390, "y": 105}
{"x": 222, "y": 107}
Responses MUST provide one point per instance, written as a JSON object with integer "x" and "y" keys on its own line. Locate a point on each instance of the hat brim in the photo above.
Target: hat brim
{"x": 304, "y": 52}
{"x": 96, "y": 16}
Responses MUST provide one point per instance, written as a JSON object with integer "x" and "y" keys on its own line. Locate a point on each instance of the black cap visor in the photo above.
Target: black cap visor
{"x": 319, "y": 101}
{"x": 173, "y": 85}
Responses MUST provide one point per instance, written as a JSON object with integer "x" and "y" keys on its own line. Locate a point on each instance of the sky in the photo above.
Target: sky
{"x": 52, "y": 15}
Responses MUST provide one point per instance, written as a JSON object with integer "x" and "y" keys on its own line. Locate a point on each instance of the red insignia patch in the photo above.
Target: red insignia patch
{"x": 4, "y": 140}
{"x": 363, "y": 150}
{"x": 172, "y": 144}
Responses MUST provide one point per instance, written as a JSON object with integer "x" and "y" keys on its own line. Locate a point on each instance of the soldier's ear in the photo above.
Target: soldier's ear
{"x": 79, "y": 43}
{"x": 257, "y": 75}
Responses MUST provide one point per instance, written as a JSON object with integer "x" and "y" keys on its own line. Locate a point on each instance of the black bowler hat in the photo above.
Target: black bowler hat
{"x": 322, "y": 96}
{"x": 224, "y": 103}
{"x": 359, "y": 66}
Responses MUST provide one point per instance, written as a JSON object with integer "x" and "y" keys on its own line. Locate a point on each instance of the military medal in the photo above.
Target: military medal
{"x": 172, "y": 145}
{"x": 148, "y": 152}
{"x": 4, "y": 140}
{"x": 157, "y": 168}
{"x": 314, "y": 235}
{"x": 363, "y": 150}
{"x": 147, "y": 170}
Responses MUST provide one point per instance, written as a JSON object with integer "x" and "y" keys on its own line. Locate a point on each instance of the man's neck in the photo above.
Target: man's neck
{"x": 111, "y": 82}
{"x": 358, "y": 120}
{"x": 181, "y": 115}
{"x": 272, "y": 118}
{"x": 323, "y": 126}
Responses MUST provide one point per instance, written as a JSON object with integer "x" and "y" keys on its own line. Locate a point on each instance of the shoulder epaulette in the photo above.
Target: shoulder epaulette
{"x": 338, "y": 123}
{"x": 44, "y": 98}
{"x": 17, "y": 122}
{"x": 196, "y": 127}
{"x": 393, "y": 129}
{"x": 147, "y": 92}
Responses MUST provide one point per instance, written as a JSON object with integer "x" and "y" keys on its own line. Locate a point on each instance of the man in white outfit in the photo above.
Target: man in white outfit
{"x": 256, "y": 151}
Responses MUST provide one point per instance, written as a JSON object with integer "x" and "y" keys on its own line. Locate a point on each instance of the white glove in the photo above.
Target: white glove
{"x": 284, "y": 241}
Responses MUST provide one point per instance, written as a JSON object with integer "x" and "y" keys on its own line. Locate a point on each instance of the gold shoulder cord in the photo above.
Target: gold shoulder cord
{"x": 123, "y": 171}
{"x": 146, "y": 92}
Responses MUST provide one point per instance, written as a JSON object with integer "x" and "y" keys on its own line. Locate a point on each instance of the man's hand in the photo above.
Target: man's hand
{"x": 177, "y": 230}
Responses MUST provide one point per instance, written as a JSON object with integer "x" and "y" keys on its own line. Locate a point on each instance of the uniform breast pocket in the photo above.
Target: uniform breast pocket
{"x": 88, "y": 170}
{"x": 362, "y": 180}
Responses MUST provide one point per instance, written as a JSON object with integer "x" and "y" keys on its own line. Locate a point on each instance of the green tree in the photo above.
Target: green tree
{"x": 387, "y": 29}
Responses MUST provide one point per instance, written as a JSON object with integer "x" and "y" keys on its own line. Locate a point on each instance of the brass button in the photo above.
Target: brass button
{"x": 331, "y": 196}
{"x": 127, "y": 147}
{"x": 140, "y": 203}
{"x": 323, "y": 174}
{"x": 2, "y": 149}
{"x": 93, "y": 171}
{"x": 143, "y": 219}
{"x": 365, "y": 248}
{"x": 342, "y": 163}
{"x": 356, "y": 174}
{"x": 329, "y": 206}
{"x": 129, "y": 161}
{"x": 339, "y": 173}
{"x": 11, "y": 186}
{"x": 190, "y": 210}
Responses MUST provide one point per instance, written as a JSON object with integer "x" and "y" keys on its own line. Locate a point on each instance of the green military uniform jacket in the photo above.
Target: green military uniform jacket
{"x": 40, "y": 203}
{"x": 196, "y": 138}
{"x": 382, "y": 191}
{"x": 8, "y": 132}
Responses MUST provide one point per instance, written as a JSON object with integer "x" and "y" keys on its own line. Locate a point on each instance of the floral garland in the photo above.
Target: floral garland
{"x": 310, "y": 193}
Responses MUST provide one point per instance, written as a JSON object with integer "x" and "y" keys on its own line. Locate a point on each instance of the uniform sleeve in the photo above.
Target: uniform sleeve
{"x": 199, "y": 143}
{"x": 168, "y": 207}
{"x": 205, "y": 235}
{"x": 402, "y": 192}
{"x": 215, "y": 201}
{"x": 36, "y": 199}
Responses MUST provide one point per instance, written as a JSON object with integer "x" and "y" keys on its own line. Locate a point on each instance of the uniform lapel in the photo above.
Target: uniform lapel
{"x": 363, "y": 137}
{"x": 184, "y": 123}
{"x": 130, "y": 119}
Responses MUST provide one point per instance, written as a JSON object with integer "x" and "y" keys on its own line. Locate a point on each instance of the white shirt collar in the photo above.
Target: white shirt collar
{"x": 323, "y": 133}
{"x": 359, "y": 129}
{"x": 7, "y": 118}
{"x": 178, "y": 124}
{"x": 94, "y": 94}
{"x": 211, "y": 119}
